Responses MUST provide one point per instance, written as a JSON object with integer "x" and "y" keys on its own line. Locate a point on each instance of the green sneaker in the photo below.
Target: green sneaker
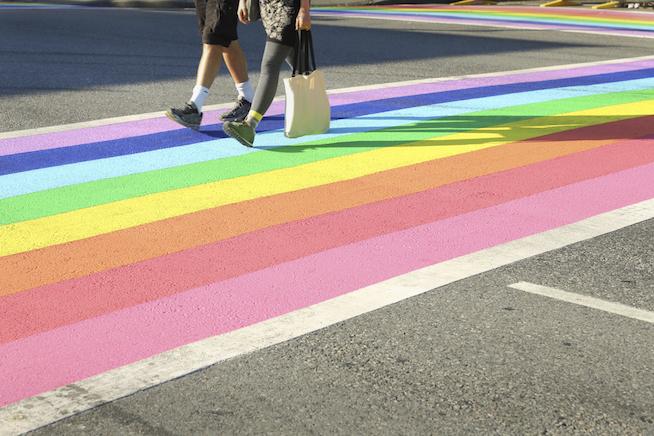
{"x": 241, "y": 131}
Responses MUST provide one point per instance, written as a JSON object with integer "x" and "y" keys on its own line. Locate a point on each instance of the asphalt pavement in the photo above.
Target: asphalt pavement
{"x": 473, "y": 357}
{"x": 65, "y": 66}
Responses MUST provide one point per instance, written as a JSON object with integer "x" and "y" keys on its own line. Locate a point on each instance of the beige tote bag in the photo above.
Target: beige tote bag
{"x": 307, "y": 105}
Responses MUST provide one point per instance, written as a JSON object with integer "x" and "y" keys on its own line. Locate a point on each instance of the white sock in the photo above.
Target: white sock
{"x": 245, "y": 90}
{"x": 200, "y": 94}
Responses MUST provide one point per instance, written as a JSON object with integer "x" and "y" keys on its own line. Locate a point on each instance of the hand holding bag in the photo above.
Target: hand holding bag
{"x": 254, "y": 13}
{"x": 307, "y": 105}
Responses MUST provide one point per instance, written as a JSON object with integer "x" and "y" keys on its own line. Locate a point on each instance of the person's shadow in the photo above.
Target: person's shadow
{"x": 464, "y": 131}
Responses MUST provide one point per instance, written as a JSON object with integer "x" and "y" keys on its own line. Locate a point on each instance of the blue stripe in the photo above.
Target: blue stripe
{"x": 138, "y": 144}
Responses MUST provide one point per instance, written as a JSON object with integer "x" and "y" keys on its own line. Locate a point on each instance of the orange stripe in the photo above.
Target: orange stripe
{"x": 79, "y": 258}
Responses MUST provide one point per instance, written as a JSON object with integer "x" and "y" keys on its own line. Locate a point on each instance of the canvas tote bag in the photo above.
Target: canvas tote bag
{"x": 307, "y": 105}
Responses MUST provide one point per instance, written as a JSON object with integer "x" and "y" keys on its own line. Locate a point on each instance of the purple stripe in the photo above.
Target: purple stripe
{"x": 67, "y": 138}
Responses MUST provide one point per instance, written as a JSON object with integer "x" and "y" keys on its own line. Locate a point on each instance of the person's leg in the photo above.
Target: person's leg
{"x": 209, "y": 64}
{"x": 207, "y": 70}
{"x": 278, "y": 18}
{"x": 238, "y": 68}
{"x": 237, "y": 65}
{"x": 218, "y": 25}
{"x": 274, "y": 55}
{"x": 191, "y": 114}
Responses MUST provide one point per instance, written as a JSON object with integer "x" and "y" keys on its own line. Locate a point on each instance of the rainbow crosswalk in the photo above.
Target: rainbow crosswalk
{"x": 123, "y": 240}
{"x": 607, "y": 22}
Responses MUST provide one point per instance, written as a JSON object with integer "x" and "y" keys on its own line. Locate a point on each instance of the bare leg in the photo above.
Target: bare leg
{"x": 209, "y": 64}
{"x": 236, "y": 63}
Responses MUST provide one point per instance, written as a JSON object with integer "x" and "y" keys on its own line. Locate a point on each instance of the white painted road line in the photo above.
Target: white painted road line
{"x": 584, "y": 300}
{"x": 52, "y": 406}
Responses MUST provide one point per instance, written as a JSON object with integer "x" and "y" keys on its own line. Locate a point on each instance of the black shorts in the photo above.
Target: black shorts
{"x": 217, "y": 20}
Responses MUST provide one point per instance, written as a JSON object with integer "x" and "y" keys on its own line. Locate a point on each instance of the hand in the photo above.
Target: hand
{"x": 243, "y": 12}
{"x": 303, "y": 20}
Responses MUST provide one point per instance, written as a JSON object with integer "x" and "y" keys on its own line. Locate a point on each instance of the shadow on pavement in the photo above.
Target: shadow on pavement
{"x": 64, "y": 50}
{"x": 476, "y": 130}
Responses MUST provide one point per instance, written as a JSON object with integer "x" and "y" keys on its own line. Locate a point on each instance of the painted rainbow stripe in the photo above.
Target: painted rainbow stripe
{"x": 121, "y": 241}
{"x": 621, "y": 23}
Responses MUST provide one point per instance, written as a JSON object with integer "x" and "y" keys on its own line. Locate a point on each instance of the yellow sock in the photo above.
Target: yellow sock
{"x": 253, "y": 118}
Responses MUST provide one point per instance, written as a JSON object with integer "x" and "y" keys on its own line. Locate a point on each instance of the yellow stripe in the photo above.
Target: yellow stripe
{"x": 84, "y": 223}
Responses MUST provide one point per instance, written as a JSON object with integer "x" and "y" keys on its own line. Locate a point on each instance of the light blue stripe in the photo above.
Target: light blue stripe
{"x": 53, "y": 177}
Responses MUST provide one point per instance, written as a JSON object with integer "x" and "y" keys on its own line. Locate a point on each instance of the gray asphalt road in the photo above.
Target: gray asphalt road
{"x": 471, "y": 357}
{"x": 61, "y": 66}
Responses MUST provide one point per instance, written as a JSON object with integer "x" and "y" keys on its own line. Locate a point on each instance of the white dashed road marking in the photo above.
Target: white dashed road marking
{"x": 584, "y": 300}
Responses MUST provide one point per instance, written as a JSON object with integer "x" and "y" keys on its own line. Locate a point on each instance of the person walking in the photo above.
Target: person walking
{"x": 217, "y": 21}
{"x": 281, "y": 19}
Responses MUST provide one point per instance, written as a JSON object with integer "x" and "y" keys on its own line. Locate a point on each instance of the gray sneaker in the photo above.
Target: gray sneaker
{"x": 238, "y": 112}
{"x": 188, "y": 116}
{"x": 241, "y": 131}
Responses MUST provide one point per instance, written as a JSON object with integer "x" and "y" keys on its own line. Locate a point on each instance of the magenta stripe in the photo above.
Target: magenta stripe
{"x": 142, "y": 127}
{"x": 67, "y": 354}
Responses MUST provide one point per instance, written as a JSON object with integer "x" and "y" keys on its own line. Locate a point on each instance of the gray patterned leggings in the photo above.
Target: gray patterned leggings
{"x": 273, "y": 57}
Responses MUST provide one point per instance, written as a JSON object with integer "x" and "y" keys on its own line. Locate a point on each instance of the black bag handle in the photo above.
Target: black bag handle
{"x": 304, "y": 54}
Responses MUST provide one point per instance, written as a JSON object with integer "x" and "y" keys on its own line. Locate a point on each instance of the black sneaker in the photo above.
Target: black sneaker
{"x": 188, "y": 116}
{"x": 238, "y": 112}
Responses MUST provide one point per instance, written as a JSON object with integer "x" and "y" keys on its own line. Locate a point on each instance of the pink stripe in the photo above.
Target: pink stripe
{"x": 47, "y": 307}
{"x": 64, "y": 355}
{"x": 135, "y": 128}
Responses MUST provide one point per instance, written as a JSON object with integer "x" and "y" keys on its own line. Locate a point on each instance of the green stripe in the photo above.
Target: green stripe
{"x": 68, "y": 198}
